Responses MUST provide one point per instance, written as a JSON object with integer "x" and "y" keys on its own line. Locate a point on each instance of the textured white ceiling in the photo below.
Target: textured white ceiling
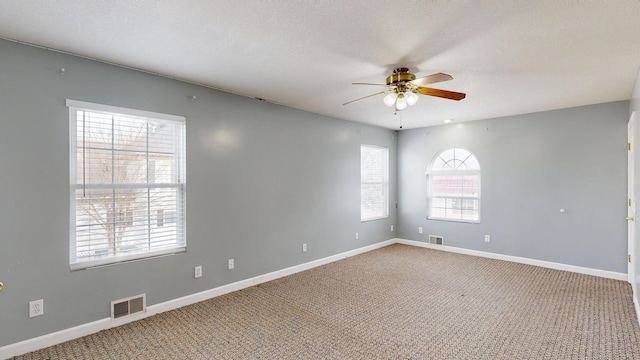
{"x": 510, "y": 57}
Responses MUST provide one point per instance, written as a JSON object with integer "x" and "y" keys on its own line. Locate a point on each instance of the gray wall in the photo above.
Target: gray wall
{"x": 261, "y": 180}
{"x": 532, "y": 166}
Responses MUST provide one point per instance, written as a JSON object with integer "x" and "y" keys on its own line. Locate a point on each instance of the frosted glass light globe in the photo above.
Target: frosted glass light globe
{"x": 390, "y": 99}
{"x": 411, "y": 97}
{"x": 401, "y": 103}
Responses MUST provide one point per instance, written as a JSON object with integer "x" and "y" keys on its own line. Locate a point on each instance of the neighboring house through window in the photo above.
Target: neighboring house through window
{"x": 374, "y": 182}
{"x": 127, "y": 184}
{"x": 454, "y": 186}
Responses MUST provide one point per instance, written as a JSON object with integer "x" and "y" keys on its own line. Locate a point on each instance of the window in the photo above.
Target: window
{"x": 454, "y": 186}
{"x": 127, "y": 184}
{"x": 374, "y": 182}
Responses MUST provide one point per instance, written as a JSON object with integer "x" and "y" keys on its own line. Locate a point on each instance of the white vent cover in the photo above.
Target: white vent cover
{"x": 433, "y": 239}
{"x": 129, "y": 306}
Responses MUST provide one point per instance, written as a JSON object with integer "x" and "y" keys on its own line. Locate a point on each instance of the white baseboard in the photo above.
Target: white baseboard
{"x": 61, "y": 336}
{"x": 546, "y": 264}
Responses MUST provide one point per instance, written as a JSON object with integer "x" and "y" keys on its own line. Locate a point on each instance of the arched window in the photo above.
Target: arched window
{"x": 454, "y": 186}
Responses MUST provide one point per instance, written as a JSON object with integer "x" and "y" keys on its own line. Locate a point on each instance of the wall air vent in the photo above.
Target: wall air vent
{"x": 433, "y": 239}
{"x": 129, "y": 306}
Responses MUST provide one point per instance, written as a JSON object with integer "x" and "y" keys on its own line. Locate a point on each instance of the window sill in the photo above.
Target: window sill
{"x": 124, "y": 259}
{"x": 374, "y": 218}
{"x": 454, "y": 220}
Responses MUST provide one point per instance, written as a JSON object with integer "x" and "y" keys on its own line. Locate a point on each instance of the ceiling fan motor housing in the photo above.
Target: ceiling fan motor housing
{"x": 400, "y": 75}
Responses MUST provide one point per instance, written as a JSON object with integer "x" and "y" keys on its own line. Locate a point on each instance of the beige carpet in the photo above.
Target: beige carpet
{"x": 399, "y": 302}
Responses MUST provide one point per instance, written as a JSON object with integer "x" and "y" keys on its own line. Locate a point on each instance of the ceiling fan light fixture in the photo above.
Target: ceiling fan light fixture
{"x": 411, "y": 97}
{"x": 401, "y": 103}
{"x": 390, "y": 99}
{"x": 403, "y": 89}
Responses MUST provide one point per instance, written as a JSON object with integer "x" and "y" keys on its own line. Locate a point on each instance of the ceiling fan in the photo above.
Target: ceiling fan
{"x": 402, "y": 89}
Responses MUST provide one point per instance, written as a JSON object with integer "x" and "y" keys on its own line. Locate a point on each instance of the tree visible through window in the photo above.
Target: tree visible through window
{"x": 127, "y": 184}
{"x": 454, "y": 186}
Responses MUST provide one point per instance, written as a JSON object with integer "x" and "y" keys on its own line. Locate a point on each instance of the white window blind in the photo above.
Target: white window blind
{"x": 127, "y": 184}
{"x": 454, "y": 186}
{"x": 374, "y": 182}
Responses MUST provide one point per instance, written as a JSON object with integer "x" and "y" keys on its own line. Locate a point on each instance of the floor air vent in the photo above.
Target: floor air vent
{"x": 129, "y": 306}
{"x": 435, "y": 239}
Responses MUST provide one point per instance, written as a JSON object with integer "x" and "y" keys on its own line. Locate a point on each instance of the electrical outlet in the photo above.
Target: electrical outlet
{"x": 391, "y": 227}
{"x": 487, "y": 238}
{"x": 356, "y": 236}
{"x": 231, "y": 264}
{"x": 36, "y": 308}
{"x": 304, "y": 247}
{"x": 197, "y": 272}
{"x": 420, "y": 230}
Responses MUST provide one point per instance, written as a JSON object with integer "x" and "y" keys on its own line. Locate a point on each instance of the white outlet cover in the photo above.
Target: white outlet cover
{"x": 36, "y": 308}
{"x": 420, "y": 230}
{"x": 391, "y": 227}
{"x": 304, "y": 247}
{"x": 231, "y": 264}
{"x": 356, "y": 236}
{"x": 487, "y": 238}
{"x": 197, "y": 272}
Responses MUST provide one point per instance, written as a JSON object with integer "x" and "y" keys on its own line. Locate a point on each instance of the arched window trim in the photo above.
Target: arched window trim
{"x": 454, "y": 194}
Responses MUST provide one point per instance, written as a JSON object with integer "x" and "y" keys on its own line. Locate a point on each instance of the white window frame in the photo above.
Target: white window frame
{"x": 178, "y": 183}
{"x": 384, "y": 182}
{"x": 458, "y": 171}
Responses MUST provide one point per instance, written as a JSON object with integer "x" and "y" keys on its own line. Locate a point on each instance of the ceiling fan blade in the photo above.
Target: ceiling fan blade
{"x": 430, "y": 79}
{"x": 441, "y": 93}
{"x": 368, "y": 96}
